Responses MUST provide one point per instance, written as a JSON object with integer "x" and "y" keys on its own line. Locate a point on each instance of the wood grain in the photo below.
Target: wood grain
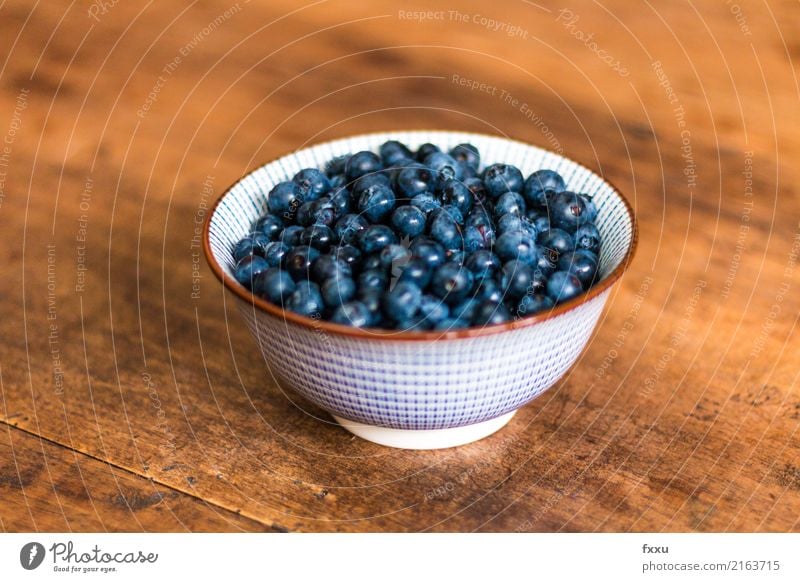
{"x": 682, "y": 414}
{"x": 49, "y": 487}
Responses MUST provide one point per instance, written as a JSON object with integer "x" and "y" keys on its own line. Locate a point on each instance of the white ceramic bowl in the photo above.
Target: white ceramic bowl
{"x": 431, "y": 389}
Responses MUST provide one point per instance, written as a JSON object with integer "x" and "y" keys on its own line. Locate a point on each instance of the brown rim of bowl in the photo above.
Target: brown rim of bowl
{"x": 390, "y": 335}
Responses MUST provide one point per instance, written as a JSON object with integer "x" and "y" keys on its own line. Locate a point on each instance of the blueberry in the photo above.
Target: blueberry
{"x": 451, "y": 323}
{"x": 364, "y": 182}
{"x": 306, "y": 299}
{"x": 475, "y": 239}
{"x": 425, "y": 150}
{"x": 587, "y": 237}
{"x": 270, "y": 225}
{"x": 352, "y": 313}
{"x": 376, "y": 202}
{"x": 557, "y": 240}
{"x": 455, "y": 256}
{"x": 311, "y": 183}
{"x": 454, "y": 213}
{"x": 479, "y": 232}
{"x": 291, "y": 235}
{"x": 445, "y": 167}
{"x": 426, "y": 203}
{"x": 414, "y": 180}
{"x": 483, "y": 264}
{"x": 393, "y": 172}
{"x": 338, "y": 290}
{"x": 501, "y": 178}
{"x": 467, "y": 172}
{"x": 415, "y": 271}
{"x": 371, "y": 297}
{"x": 567, "y": 211}
{"x": 361, "y": 163}
{"x": 274, "y": 285}
{"x": 509, "y": 203}
{"x": 509, "y": 223}
{"x": 531, "y": 304}
{"x": 516, "y": 278}
{"x": 562, "y": 286}
{"x": 538, "y": 283}
{"x": 348, "y": 226}
{"x": 545, "y": 260}
{"x": 515, "y": 245}
{"x": 372, "y": 261}
{"x": 408, "y": 221}
{"x": 341, "y": 200}
{"x": 465, "y": 309}
{"x": 329, "y": 267}
{"x": 491, "y": 314}
{"x": 417, "y": 322}
{"x": 394, "y": 255}
{"x": 478, "y": 217}
{"x": 254, "y": 243}
{"x": 451, "y": 282}
{"x": 336, "y": 166}
{"x": 275, "y": 252}
{"x": 393, "y": 151}
{"x": 434, "y": 309}
{"x": 582, "y": 264}
{"x": 373, "y": 238}
{"x": 476, "y": 186}
{"x": 542, "y": 223}
{"x": 529, "y": 228}
{"x": 349, "y": 255}
{"x": 248, "y": 267}
{"x": 591, "y": 208}
{"x": 337, "y": 181}
{"x": 319, "y": 236}
{"x": 298, "y": 261}
{"x": 402, "y": 301}
{"x": 431, "y": 252}
{"x": 323, "y": 211}
{"x": 372, "y": 279}
{"x": 455, "y": 193}
{"x": 284, "y": 200}
{"x": 444, "y": 230}
{"x": 533, "y": 213}
{"x": 467, "y": 154}
{"x": 489, "y": 290}
{"x": 304, "y": 214}
{"x": 541, "y": 185}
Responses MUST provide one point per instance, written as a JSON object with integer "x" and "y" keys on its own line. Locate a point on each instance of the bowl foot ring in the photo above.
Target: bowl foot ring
{"x": 425, "y": 439}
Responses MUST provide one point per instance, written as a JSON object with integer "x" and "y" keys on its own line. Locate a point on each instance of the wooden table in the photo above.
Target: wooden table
{"x": 128, "y": 403}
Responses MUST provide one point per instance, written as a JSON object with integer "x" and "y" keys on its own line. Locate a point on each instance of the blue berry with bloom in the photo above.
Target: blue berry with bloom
{"x": 541, "y": 185}
{"x": 284, "y": 200}
{"x": 248, "y": 267}
{"x": 501, "y": 178}
{"x": 360, "y": 164}
{"x": 563, "y": 286}
{"x": 408, "y": 221}
{"x": 274, "y": 285}
{"x": 467, "y": 154}
{"x": 270, "y": 225}
{"x": 311, "y": 183}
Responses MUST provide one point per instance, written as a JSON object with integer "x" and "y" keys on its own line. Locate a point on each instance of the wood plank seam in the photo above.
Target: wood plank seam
{"x": 273, "y": 526}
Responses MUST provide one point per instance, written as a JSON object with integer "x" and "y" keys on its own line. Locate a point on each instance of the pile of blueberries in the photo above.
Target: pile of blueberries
{"x": 420, "y": 240}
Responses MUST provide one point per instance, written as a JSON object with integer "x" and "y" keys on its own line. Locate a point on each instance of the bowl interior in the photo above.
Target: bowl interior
{"x": 247, "y": 199}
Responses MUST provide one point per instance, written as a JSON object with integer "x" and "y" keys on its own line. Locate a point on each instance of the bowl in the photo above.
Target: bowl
{"x": 421, "y": 390}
